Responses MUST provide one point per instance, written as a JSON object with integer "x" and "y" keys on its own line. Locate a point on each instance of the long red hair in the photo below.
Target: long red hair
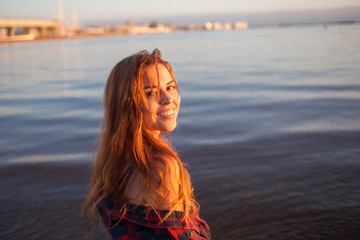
{"x": 126, "y": 140}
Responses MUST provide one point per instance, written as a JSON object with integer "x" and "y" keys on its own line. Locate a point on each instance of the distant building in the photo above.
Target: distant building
{"x": 240, "y": 25}
{"x": 228, "y": 26}
{"x": 194, "y": 27}
{"x": 217, "y": 26}
{"x": 138, "y": 29}
{"x": 208, "y": 26}
{"x": 94, "y": 30}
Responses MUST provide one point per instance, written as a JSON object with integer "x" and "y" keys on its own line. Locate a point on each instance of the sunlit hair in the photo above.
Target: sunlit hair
{"x": 126, "y": 140}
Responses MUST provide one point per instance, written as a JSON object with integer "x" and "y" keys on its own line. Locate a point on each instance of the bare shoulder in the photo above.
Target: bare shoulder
{"x": 170, "y": 167}
{"x": 165, "y": 188}
{"x": 171, "y": 181}
{"x": 134, "y": 188}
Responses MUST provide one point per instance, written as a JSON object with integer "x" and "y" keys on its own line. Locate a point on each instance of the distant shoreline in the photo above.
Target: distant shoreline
{"x": 115, "y": 34}
{"x": 78, "y": 36}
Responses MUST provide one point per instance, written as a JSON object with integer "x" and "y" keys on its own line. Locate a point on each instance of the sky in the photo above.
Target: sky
{"x": 102, "y": 10}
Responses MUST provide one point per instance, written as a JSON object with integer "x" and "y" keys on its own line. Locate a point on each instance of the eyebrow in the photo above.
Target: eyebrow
{"x": 170, "y": 82}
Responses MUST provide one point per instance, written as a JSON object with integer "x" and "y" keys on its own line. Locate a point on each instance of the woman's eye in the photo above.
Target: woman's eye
{"x": 171, "y": 87}
{"x": 151, "y": 93}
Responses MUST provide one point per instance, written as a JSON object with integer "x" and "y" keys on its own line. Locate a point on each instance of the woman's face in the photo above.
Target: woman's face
{"x": 163, "y": 100}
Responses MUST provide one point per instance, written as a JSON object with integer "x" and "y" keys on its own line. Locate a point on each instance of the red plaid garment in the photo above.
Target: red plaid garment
{"x": 137, "y": 225}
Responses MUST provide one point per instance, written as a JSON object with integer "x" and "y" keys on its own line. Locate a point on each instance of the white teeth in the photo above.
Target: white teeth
{"x": 167, "y": 113}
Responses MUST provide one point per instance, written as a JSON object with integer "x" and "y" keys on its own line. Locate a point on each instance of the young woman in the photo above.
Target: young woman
{"x": 140, "y": 188}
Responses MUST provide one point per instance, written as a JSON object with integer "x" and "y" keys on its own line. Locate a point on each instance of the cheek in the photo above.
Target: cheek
{"x": 147, "y": 111}
{"x": 176, "y": 97}
{"x": 152, "y": 106}
{"x": 178, "y": 100}
{"x": 148, "y": 117}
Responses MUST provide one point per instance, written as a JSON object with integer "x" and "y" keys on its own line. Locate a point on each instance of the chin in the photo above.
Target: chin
{"x": 168, "y": 127}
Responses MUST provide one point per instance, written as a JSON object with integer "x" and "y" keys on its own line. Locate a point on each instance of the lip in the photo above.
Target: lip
{"x": 168, "y": 113}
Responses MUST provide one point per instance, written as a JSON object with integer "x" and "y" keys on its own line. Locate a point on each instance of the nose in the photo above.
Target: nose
{"x": 165, "y": 97}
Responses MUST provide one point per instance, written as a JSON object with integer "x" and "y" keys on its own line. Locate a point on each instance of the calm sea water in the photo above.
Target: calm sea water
{"x": 269, "y": 125}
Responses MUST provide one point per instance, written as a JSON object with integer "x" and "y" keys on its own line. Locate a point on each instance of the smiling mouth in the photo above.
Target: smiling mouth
{"x": 167, "y": 113}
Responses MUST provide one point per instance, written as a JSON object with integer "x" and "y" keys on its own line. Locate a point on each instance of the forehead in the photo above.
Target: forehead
{"x": 155, "y": 74}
